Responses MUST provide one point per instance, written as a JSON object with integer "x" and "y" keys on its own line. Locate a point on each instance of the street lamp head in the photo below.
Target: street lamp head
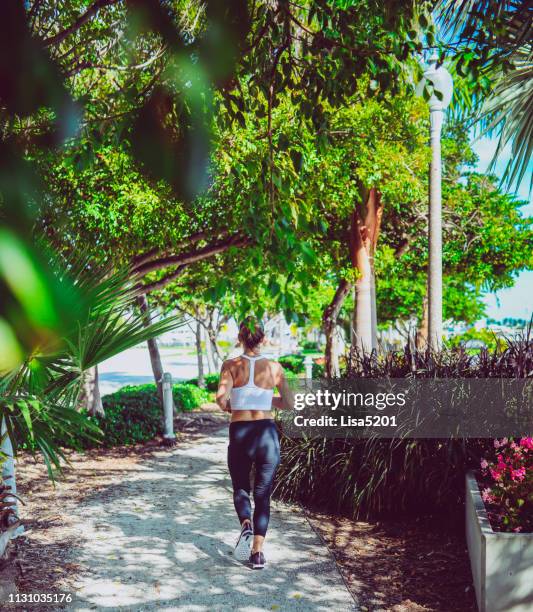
{"x": 442, "y": 83}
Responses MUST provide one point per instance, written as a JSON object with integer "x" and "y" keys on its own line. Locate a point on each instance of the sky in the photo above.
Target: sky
{"x": 517, "y": 301}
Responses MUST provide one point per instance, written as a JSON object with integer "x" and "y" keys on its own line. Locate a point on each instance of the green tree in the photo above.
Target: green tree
{"x": 146, "y": 72}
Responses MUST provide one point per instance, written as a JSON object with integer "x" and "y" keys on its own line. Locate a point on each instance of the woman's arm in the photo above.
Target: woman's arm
{"x": 286, "y": 399}
{"x": 225, "y": 386}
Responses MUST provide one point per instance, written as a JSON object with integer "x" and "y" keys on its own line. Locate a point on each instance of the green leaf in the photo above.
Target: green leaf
{"x": 308, "y": 253}
{"x": 297, "y": 159}
{"x": 274, "y": 287}
{"x": 24, "y": 410}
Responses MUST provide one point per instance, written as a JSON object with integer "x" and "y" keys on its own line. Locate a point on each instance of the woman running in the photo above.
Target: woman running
{"x": 246, "y": 391}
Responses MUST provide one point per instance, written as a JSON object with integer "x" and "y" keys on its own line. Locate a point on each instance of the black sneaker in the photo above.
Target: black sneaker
{"x": 257, "y": 560}
{"x": 244, "y": 543}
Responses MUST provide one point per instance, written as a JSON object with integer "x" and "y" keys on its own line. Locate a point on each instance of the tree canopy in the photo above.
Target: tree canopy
{"x": 163, "y": 133}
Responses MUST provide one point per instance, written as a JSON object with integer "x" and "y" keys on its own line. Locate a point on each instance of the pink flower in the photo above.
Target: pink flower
{"x": 517, "y": 529}
{"x": 527, "y": 443}
{"x": 486, "y": 496}
{"x": 496, "y": 444}
{"x": 518, "y": 474}
{"x": 495, "y": 473}
{"x": 501, "y": 462}
{"x": 504, "y": 441}
{"x": 484, "y": 464}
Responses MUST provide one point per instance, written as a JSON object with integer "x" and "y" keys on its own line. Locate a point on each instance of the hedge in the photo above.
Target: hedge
{"x": 211, "y": 381}
{"x": 134, "y": 414}
{"x": 294, "y": 363}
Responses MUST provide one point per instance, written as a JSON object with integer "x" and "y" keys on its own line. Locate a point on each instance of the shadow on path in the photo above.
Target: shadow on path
{"x": 162, "y": 538}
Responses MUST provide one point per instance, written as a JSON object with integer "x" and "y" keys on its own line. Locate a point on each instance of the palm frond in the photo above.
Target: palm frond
{"x": 499, "y": 100}
{"x": 39, "y": 400}
{"x": 462, "y": 20}
{"x": 508, "y": 112}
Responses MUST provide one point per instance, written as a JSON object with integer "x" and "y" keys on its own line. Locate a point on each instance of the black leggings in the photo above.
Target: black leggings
{"x": 253, "y": 442}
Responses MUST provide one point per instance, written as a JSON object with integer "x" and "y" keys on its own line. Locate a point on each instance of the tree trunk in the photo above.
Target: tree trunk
{"x": 90, "y": 393}
{"x": 423, "y": 330}
{"x": 201, "y": 379}
{"x": 374, "y": 306}
{"x": 363, "y": 303}
{"x": 8, "y": 470}
{"x": 153, "y": 349}
{"x": 209, "y": 352}
{"x": 280, "y": 335}
{"x": 217, "y": 360}
{"x": 335, "y": 361}
{"x": 330, "y": 326}
{"x": 353, "y": 322}
{"x": 366, "y": 224}
{"x": 212, "y": 335}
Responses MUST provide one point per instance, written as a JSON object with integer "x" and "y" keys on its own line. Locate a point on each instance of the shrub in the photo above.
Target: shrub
{"x": 134, "y": 414}
{"x": 362, "y": 478}
{"x": 211, "y": 381}
{"x": 318, "y": 368}
{"x": 189, "y": 397}
{"x": 507, "y": 485}
{"x": 290, "y": 375}
{"x": 294, "y": 363}
{"x": 310, "y": 345}
{"x": 359, "y": 477}
{"x": 486, "y": 336}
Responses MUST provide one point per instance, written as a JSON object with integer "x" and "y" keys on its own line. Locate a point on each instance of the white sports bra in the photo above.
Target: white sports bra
{"x": 250, "y": 396}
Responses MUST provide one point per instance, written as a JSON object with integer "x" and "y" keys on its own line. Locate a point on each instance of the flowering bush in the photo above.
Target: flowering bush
{"x": 507, "y": 485}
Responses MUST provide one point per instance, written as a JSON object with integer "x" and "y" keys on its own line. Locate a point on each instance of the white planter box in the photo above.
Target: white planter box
{"x": 502, "y": 563}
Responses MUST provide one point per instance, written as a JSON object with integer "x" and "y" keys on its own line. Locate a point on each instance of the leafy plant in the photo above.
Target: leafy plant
{"x": 290, "y": 375}
{"x": 294, "y": 363}
{"x": 211, "y": 381}
{"x": 188, "y": 397}
{"x": 39, "y": 399}
{"x": 507, "y": 484}
{"x": 484, "y": 336}
{"x": 362, "y": 477}
{"x": 318, "y": 368}
{"x": 492, "y": 46}
{"x": 133, "y": 414}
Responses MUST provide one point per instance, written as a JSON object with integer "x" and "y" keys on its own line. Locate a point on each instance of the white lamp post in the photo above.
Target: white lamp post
{"x": 442, "y": 83}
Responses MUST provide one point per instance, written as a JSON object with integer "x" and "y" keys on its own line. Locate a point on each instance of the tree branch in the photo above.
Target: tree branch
{"x": 80, "y": 21}
{"x": 139, "y": 260}
{"x": 402, "y": 247}
{"x": 80, "y": 66}
{"x": 190, "y": 257}
{"x": 159, "y": 284}
{"x": 145, "y": 264}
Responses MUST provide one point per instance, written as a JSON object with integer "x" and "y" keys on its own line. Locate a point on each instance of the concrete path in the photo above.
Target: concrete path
{"x": 162, "y": 538}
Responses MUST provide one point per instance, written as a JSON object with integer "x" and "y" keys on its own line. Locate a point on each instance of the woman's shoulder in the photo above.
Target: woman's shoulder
{"x": 231, "y": 362}
{"x": 275, "y": 366}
